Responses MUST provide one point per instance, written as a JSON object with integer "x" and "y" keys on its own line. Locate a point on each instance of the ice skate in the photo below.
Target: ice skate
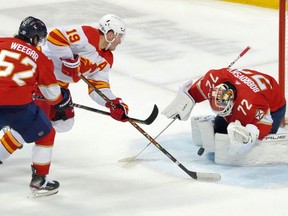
{"x": 42, "y": 186}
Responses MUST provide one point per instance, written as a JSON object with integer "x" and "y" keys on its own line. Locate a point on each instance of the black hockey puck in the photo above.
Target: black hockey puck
{"x": 201, "y": 151}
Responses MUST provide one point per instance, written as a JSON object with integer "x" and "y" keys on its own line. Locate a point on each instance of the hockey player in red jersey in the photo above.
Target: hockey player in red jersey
{"x": 22, "y": 67}
{"x": 249, "y": 104}
{"x": 87, "y": 50}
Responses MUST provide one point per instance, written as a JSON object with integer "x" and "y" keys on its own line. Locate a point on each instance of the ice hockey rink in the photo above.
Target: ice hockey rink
{"x": 167, "y": 42}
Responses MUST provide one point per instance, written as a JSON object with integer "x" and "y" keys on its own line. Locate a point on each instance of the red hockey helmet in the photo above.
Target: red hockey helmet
{"x": 222, "y": 99}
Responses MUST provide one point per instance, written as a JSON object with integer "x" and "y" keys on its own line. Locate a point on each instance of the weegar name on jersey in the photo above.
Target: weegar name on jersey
{"x": 246, "y": 80}
{"x": 24, "y": 49}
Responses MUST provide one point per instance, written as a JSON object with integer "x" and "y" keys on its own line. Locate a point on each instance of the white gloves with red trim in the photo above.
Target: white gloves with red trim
{"x": 70, "y": 67}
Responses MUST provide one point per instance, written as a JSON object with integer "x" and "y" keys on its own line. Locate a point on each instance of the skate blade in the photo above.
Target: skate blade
{"x": 41, "y": 193}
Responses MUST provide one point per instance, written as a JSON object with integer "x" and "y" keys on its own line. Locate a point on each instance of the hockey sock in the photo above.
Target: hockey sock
{"x": 8, "y": 145}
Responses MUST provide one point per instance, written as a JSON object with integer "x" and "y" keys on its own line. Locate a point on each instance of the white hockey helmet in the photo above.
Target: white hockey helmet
{"x": 112, "y": 22}
{"x": 222, "y": 99}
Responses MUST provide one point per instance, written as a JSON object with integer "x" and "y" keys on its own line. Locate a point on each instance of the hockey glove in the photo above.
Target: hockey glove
{"x": 242, "y": 139}
{"x": 70, "y": 67}
{"x": 66, "y": 100}
{"x": 120, "y": 110}
{"x": 182, "y": 105}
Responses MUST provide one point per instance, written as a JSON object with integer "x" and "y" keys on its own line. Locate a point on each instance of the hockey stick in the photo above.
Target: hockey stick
{"x": 201, "y": 149}
{"x": 240, "y": 56}
{"x": 129, "y": 159}
{"x": 147, "y": 121}
{"x": 195, "y": 175}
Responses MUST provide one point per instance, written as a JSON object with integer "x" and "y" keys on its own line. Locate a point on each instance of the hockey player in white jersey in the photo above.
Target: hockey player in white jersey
{"x": 87, "y": 50}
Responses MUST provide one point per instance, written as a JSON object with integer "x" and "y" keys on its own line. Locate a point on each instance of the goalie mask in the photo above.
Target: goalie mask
{"x": 222, "y": 99}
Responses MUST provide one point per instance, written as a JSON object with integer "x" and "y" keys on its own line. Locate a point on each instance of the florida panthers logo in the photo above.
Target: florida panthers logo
{"x": 259, "y": 114}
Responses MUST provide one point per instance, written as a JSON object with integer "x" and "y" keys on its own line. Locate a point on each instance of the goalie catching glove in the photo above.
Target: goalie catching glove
{"x": 118, "y": 109}
{"x": 242, "y": 139}
{"x": 182, "y": 105}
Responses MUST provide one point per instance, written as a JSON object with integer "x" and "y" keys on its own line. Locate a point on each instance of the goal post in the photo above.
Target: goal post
{"x": 283, "y": 42}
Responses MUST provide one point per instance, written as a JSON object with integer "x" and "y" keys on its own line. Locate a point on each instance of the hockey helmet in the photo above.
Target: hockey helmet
{"x": 222, "y": 99}
{"x": 31, "y": 27}
{"x": 112, "y": 22}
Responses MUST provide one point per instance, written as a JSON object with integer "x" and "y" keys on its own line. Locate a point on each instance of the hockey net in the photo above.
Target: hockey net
{"x": 283, "y": 49}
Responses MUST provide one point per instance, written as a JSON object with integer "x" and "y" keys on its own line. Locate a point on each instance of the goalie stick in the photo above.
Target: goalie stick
{"x": 201, "y": 149}
{"x": 195, "y": 175}
{"x": 240, "y": 56}
{"x": 146, "y": 121}
{"x": 133, "y": 158}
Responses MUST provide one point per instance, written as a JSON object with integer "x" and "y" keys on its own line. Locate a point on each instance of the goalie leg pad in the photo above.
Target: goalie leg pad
{"x": 203, "y": 131}
{"x": 196, "y": 137}
{"x": 272, "y": 150}
{"x": 207, "y": 134}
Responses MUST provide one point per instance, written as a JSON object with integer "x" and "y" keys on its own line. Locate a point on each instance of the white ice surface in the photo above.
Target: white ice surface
{"x": 167, "y": 42}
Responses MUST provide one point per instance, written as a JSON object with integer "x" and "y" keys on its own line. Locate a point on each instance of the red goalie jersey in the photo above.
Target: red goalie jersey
{"x": 257, "y": 95}
{"x": 21, "y": 67}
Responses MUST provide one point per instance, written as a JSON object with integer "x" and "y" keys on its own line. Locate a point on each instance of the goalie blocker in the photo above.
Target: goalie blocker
{"x": 272, "y": 150}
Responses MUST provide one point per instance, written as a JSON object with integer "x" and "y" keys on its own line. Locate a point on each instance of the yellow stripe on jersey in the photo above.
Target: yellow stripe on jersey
{"x": 39, "y": 48}
{"x": 57, "y": 38}
{"x": 63, "y": 84}
{"x": 98, "y": 85}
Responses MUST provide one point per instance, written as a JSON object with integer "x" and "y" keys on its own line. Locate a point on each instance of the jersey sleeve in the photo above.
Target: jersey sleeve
{"x": 101, "y": 81}
{"x": 259, "y": 114}
{"x": 47, "y": 82}
{"x": 58, "y": 44}
{"x": 264, "y": 128}
{"x": 200, "y": 90}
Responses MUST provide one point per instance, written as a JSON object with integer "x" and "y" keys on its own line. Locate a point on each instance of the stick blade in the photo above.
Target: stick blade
{"x": 153, "y": 115}
{"x": 211, "y": 177}
{"x": 127, "y": 159}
